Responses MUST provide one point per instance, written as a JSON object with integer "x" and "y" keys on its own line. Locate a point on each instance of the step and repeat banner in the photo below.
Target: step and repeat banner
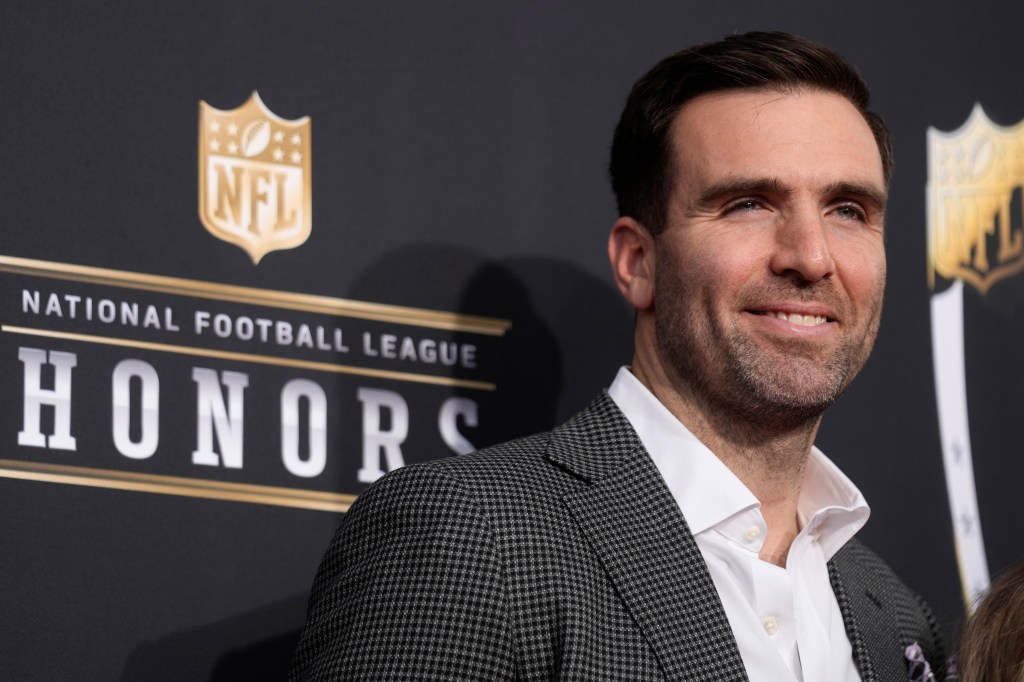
{"x": 253, "y": 255}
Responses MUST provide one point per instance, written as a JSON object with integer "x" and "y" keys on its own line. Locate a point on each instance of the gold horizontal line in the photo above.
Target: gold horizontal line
{"x": 326, "y": 305}
{"x": 254, "y": 358}
{"x": 176, "y": 485}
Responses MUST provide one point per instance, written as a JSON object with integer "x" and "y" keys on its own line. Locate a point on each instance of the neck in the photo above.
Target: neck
{"x": 769, "y": 458}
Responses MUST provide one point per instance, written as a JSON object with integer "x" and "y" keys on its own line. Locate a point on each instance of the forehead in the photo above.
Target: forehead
{"x": 802, "y": 137}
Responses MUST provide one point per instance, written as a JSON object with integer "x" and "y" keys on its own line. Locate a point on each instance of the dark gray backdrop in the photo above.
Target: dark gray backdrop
{"x": 459, "y": 154}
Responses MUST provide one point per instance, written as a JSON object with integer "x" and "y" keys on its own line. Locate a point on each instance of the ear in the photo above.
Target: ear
{"x": 631, "y": 252}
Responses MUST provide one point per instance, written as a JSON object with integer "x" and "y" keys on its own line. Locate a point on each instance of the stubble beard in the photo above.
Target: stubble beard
{"x": 738, "y": 381}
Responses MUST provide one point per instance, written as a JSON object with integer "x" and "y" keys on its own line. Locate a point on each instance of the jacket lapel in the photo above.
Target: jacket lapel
{"x": 870, "y": 626}
{"x": 642, "y": 539}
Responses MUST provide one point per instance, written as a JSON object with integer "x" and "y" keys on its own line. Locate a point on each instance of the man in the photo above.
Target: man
{"x": 683, "y": 526}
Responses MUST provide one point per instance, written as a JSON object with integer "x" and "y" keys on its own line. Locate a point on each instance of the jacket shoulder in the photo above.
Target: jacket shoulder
{"x": 588, "y": 446}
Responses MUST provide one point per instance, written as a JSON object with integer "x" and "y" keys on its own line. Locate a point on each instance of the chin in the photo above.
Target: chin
{"x": 781, "y": 404}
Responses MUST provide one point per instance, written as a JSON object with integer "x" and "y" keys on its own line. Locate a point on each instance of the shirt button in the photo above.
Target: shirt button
{"x": 770, "y": 625}
{"x": 753, "y": 534}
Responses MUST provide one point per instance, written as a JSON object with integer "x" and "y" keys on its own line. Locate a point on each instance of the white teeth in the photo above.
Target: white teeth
{"x": 802, "y": 320}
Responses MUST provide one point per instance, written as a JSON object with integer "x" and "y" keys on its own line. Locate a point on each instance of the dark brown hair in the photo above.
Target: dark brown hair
{"x": 641, "y": 164}
{"x": 992, "y": 641}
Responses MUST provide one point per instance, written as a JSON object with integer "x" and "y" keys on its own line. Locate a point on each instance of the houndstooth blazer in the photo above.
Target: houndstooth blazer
{"x": 560, "y": 555}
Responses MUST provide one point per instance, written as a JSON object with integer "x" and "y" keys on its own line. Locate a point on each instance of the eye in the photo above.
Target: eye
{"x": 850, "y": 212}
{"x": 745, "y": 205}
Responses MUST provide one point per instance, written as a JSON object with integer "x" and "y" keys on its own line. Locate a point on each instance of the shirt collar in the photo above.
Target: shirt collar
{"x": 709, "y": 494}
{"x": 831, "y": 507}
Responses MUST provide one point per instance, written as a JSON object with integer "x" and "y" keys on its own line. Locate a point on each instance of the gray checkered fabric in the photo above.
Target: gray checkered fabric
{"x": 882, "y": 616}
{"x": 558, "y": 556}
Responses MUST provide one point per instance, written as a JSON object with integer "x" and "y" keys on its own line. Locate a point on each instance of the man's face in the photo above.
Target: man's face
{"x": 770, "y": 272}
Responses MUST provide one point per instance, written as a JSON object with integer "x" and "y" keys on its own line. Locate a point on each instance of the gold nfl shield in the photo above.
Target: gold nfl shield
{"x": 974, "y": 202}
{"x": 255, "y": 186}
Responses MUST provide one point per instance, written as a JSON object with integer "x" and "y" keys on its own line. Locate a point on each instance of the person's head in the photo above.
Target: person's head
{"x": 992, "y": 641}
{"x": 751, "y": 237}
{"x": 641, "y": 167}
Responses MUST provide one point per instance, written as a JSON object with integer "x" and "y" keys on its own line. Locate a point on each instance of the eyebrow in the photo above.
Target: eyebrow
{"x": 736, "y": 186}
{"x": 865, "y": 192}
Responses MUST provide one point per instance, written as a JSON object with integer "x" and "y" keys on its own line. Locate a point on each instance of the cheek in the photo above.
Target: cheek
{"x": 730, "y": 256}
{"x": 865, "y": 278}
{"x": 734, "y": 270}
{"x": 711, "y": 270}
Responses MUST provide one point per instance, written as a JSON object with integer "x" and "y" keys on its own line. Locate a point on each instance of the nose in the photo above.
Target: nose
{"x": 802, "y": 248}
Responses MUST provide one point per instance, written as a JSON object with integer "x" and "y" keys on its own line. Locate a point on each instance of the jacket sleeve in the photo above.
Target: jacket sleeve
{"x": 411, "y": 588}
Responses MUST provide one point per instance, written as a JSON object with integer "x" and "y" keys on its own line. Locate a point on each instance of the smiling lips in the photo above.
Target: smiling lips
{"x": 795, "y": 318}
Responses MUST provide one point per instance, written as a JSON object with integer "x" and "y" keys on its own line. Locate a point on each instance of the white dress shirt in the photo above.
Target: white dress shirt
{"x": 786, "y": 620}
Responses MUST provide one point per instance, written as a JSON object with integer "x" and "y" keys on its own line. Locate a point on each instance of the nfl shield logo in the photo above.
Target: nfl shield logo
{"x": 254, "y": 177}
{"x": 975, "y": 174}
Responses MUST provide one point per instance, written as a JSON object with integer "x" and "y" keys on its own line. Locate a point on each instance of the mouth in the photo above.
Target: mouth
{"x": 804, "y": 316}
{"x": 799, "y": 319}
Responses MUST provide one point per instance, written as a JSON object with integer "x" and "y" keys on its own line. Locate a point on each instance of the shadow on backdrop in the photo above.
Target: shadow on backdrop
{"x": 570, "y": 330}
{"x": 254, "y": 645}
